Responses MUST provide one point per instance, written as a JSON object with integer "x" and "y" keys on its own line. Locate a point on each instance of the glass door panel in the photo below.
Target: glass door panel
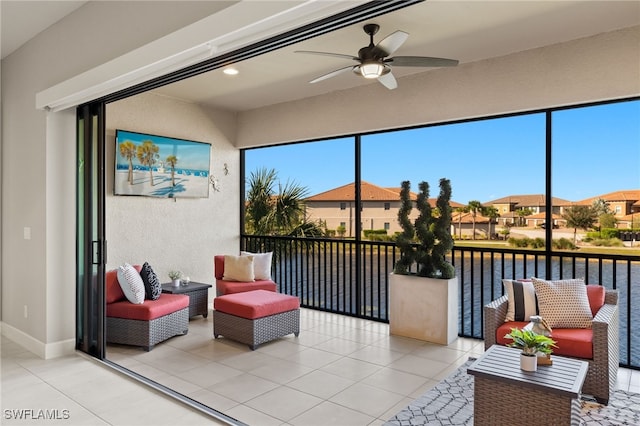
{"x": 90, "y": 242}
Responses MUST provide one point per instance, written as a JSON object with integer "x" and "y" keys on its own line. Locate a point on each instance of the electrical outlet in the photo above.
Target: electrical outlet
{"x": 26, "y": 312}
{"x": 26, "y": 233}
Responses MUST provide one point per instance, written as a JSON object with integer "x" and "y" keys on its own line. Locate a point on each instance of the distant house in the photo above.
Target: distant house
{"x": 509, "y": 206}
{"x": 462, "y": 224}
{"x": 623, "y": 204}
{"x": 379, "y": 209}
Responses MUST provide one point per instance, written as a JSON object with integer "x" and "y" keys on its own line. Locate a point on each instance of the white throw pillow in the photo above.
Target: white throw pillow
{"x": 238, "y": 268}
{"x": 131, "y": 284}
{"x": 563, "y": 303}
{"x": 522, "y": 300}
{"x": 261, "y": 264}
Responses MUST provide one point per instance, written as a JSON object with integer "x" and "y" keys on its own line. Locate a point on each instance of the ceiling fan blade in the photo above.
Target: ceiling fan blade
{"x": 388, "y": 81}
{"x": 331, "y": 74}
{"x": 335, "y": 55}
{"x": 392, "y": 42}
{"x": 420, "y": 61}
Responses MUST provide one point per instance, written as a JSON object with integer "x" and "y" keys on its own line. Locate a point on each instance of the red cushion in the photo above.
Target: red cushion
{"x": 113, "y": 291}
{"x": 230, "y": 287}
{"x": 596, "y": 294}
{"x": 255, "y": 304}
{"x": 218, "y": 266}
{"x": 505, "y": 329}
{"x": 149, "y": 309}
{"x": 573, "y": 342}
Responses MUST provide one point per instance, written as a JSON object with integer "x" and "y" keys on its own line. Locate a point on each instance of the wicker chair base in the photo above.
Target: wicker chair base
{"x": 254, "y": 332}
{"x": 496, "y": 402}
{"x": 147, "y": 333}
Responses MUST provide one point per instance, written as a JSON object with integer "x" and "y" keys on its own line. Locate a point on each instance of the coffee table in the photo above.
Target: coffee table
{"x": 506, "y": 395}
{"x": 198, "y": 296}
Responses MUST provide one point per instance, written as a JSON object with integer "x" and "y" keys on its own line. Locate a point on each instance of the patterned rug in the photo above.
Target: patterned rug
{"x": 450, "y": 402}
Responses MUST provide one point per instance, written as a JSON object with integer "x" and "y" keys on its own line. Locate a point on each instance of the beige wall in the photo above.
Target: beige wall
{"x": 38, "y": 148}
{"x": 373, "y": 215}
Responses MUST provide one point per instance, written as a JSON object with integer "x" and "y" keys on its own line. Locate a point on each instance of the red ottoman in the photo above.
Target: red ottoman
{"x": 255, "y": 317}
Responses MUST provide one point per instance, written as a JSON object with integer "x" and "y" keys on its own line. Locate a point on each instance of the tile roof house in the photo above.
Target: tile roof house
{"x": 336, "y": 207}
{"x": 462, "y": 224}
{"x": 509, "y": 205}
{"x": 625, "y": 206}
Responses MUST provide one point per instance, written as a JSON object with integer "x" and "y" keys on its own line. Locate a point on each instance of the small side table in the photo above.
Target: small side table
{"x": 502, "y": 390}
{"x": 198, "y": 296}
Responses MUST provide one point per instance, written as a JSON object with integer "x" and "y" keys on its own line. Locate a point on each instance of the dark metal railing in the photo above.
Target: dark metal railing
{"x": 352, "y": 278}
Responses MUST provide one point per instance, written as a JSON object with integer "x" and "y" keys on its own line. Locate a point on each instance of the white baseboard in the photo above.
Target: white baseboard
{"x": 43, "y": 350}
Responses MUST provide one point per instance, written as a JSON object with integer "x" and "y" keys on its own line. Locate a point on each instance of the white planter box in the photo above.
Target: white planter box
{"x": 423, "y": 308}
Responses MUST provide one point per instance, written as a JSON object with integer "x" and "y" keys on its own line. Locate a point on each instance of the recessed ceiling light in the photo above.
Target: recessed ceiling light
{"x": 230, "y": 71}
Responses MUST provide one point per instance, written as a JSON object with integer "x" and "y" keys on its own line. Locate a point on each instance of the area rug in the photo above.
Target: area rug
{"x": 450, "y": 402}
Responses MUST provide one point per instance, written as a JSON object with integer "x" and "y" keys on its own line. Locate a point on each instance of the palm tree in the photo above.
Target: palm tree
{"x": 128, "y": 151}
{"x": 474, "y": 207}
{"x": 460, "y": 211}
{"x": 171, "y": 161}
{"x": 261, "y": 185}
{"x": 492, "y": 213}
{"x": 281, "y": 212}
{"x": 583, "y": 217}
{"x": 148, "y": 156}
{"x": 522, "y": 213}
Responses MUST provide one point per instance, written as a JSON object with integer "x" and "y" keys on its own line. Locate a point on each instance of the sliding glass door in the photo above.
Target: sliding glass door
{"x": 90, "y": 232}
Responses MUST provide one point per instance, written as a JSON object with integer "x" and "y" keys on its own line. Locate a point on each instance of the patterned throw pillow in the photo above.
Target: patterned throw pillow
{"x": 238, "y": 268}
{"x": 522, "y": 300}
{"x": 131, "y": 284}
{"x": 563, "y": 303}
{"x": 261, "y": 264}
{"x": 152, "y": 286}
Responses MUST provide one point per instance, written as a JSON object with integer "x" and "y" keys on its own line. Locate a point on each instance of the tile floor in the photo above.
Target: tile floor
{"x": 339, "y": 371}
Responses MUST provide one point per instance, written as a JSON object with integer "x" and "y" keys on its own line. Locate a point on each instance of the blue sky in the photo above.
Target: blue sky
{"x": 596, "y": 150}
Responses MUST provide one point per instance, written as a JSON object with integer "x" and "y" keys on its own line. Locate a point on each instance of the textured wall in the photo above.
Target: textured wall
{"x": 182, "y": 233}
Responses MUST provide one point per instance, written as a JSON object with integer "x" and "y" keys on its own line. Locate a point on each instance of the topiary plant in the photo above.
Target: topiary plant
{"x": 432, "y": 230}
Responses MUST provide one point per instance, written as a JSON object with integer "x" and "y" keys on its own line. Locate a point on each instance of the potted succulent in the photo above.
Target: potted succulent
{"x": 175, "y": 277}
{"x": 424, "y": 304}
{"x": 530, "y": 343}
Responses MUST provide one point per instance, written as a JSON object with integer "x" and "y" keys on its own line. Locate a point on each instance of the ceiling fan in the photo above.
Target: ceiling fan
{"x": 374, "y": 61}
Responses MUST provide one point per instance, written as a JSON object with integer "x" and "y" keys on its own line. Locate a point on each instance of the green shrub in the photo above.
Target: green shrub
{"x": 369, "y": 233}
{"x": 537, "y": 243}
{"x": 608, "y": 242}
{"x": 519, "y": 242}
{"x": 564, "y": 244}
{"x": 607, "y": 233}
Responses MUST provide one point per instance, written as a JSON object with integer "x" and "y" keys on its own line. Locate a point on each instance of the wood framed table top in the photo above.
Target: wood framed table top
{"x": 500, "y": 363}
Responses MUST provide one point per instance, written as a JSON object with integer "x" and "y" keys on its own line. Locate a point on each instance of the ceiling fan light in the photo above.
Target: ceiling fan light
{"x": 371, "y": 69}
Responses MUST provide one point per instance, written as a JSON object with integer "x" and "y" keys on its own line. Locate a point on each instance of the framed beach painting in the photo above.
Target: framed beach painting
{"x": 160, "y": 166}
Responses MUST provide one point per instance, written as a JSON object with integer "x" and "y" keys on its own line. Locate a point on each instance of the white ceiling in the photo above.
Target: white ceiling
{"x": 22, "y": 20}
{"x": 465, "y": 30}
